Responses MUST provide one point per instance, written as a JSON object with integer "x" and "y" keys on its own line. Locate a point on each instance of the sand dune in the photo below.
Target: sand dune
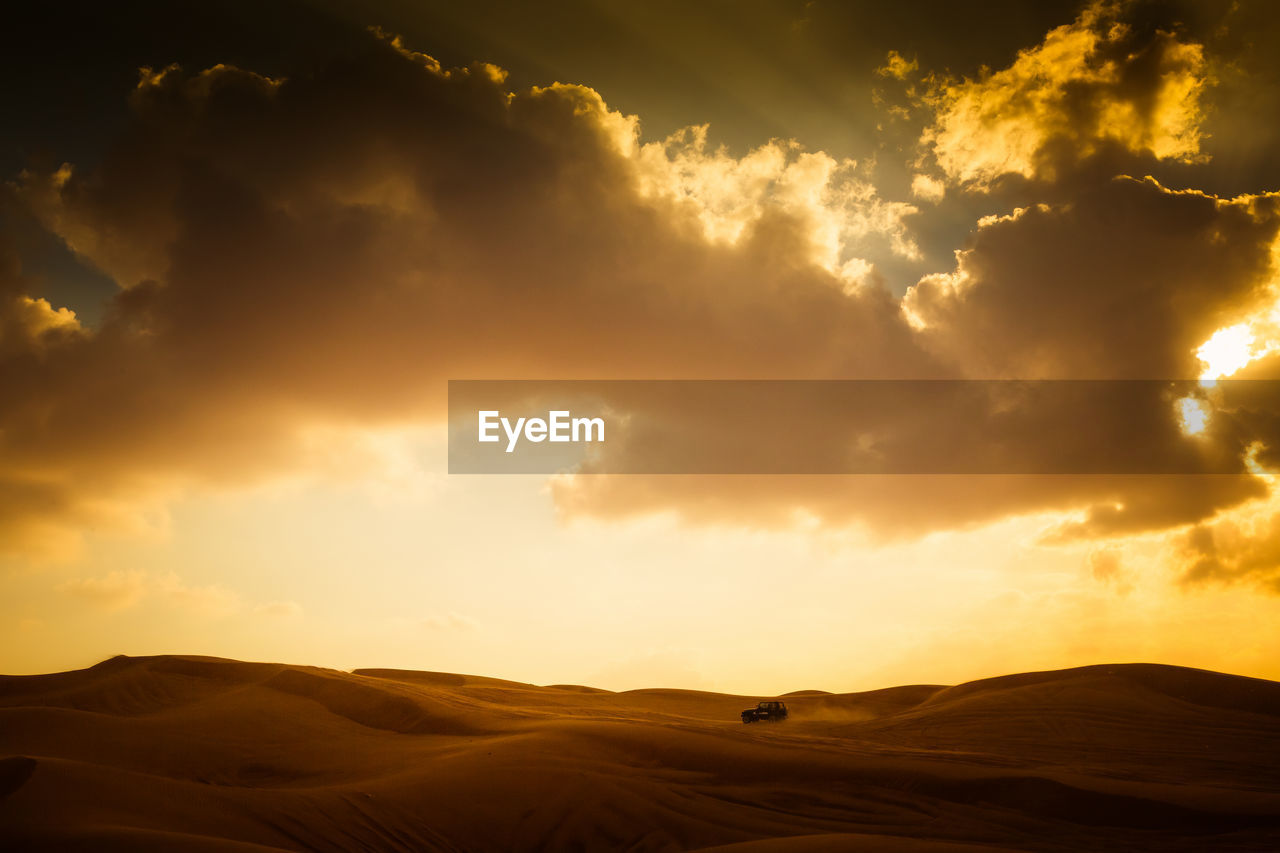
{"x": 187, "y": 753}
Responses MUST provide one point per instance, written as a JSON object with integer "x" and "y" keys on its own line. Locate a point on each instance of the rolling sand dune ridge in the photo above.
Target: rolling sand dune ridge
{"x": 206, "y": 754}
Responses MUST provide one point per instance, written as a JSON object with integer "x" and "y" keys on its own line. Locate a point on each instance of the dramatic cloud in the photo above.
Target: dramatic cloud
{"x": 728, "y": 195}
{"x": 1242, "y": 548}
{"x": 321, "y": 251}
{"x": 1126, "y": 281}
{"x": 330, "y": 248}
{"x": 888, "y": 507}
{"x": 1093, "y": 83}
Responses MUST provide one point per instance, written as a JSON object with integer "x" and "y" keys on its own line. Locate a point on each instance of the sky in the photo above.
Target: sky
{"x": 244, "y": 248}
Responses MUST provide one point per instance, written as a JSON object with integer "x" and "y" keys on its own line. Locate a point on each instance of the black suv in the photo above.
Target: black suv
{"x": 773, "y": 711}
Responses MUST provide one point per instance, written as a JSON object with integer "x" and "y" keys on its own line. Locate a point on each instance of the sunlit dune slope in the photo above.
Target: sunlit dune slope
{"x": 169, "y": 753}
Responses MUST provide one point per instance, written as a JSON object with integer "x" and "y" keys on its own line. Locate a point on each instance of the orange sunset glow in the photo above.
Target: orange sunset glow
{"x": 244, "y": 249}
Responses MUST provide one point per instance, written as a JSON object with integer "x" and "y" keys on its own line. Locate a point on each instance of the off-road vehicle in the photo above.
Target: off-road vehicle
{"x": 771, "y": 711}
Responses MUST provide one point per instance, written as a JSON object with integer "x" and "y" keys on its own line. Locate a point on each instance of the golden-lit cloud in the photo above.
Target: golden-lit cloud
{"x": 1238, "y": 547}
{"x": 897, "y": 66}
{"x": 1096, "y": 82}
{"x": 1125, "y": 281}
{"x": 279, "y": 271}
{"x": 1105, "y": 565}
{"x": 314, "y": 255}
{"x": 840, "y": 208}
{"x": 891, "y": 507}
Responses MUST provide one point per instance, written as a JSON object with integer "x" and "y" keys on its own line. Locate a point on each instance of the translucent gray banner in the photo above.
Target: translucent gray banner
{"x": 863, "y": 426}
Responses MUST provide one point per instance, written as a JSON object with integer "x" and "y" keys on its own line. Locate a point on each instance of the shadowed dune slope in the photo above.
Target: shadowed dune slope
{"x": 193, "y": 753}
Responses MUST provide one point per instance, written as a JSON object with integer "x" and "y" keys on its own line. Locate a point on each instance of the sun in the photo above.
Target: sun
{"x": 1227, "y": 351}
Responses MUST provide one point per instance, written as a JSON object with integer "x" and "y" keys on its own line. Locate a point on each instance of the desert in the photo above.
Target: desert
{"x": 194, "y": 753}
{"x": 938, "y": 347}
